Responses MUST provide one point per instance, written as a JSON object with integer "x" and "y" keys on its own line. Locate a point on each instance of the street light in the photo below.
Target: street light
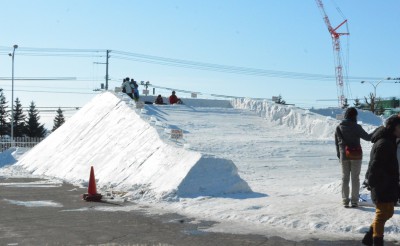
{"x": 376, "y": 85}
{"x": 12, "y": 95}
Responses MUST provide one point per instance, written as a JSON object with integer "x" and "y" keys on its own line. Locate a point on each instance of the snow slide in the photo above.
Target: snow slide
{"x": 128, "y": 154}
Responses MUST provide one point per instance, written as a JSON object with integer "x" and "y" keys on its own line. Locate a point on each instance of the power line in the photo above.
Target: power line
{"x": 57, "y": 92}
{"x": 137, "y": 57}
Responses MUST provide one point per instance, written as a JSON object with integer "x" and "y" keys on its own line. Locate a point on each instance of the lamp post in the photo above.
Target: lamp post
{"x": 374, "y": 85}
{"x": 12, "y": 95}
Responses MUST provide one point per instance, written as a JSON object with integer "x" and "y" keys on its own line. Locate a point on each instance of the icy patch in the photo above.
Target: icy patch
{"x": 36, "y": 184}
{"x": 34, "y": 203}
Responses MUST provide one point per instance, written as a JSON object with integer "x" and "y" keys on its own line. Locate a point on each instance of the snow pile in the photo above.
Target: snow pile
{"x": 305, "y": 121}
{"x": 366, "y": 117}
{"x": 128, "y": 154}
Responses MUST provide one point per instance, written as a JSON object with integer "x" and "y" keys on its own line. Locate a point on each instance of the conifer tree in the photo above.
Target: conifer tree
{"x": 357, "y": 103}
{"x": 59, "y": 119}
{"x": 345, "y": 104}
{"x": 4, "y": 115}
{"x": 33, "y": 128}
{"x": 279, "y": 100}
{"x": 19, "y": 119}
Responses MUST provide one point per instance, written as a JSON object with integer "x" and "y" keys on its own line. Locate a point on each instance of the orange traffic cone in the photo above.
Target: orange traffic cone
{"x": 92, "y": 195}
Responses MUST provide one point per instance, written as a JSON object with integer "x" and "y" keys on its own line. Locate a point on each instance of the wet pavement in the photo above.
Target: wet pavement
{"x": 34, "y": 213}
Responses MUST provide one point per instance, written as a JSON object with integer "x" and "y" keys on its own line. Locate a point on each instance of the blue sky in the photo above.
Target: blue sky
{"x": 273, "y": 35}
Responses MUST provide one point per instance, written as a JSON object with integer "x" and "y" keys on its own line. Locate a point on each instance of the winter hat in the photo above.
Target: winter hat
{"x": 351, "y": 114}
{"x": 392, "y": 122}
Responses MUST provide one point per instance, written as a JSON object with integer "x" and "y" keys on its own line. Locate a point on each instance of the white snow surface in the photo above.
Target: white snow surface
{"x": 269, "y": 169}
{"x": 128, "y": 154}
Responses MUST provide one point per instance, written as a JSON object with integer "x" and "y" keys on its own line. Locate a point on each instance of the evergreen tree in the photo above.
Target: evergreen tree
{"x": 345, "y": 104}
{"x": 59, "y": 119}
{"x": 280, "y": 100}
{"x": 4, "y": 115}
{"x": 19, "y": 119}
{"x": 33, "y": 128}
{"x": 357, "y": 103}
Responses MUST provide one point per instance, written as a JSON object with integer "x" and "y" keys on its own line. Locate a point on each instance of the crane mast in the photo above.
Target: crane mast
{"x": 336, "y": 50}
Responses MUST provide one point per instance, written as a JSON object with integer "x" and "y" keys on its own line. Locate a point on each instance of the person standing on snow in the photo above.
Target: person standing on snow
{"x": 349, "y": 152}
{"x": 135, "y": 89}
{"x": 128, "y": 88}
{"x": 382, "y": 178}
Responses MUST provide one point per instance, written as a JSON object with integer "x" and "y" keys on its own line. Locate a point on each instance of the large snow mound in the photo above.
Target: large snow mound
{"x": 305, "y": 121}
{"x": 128, "y": 154}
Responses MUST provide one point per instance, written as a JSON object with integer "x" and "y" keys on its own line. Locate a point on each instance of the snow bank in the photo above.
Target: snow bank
{"x": 305, "y": 121}
{"x": 194, "y": 102}
{"x": 366, "y": 117}
{"x": 128, "y": 154}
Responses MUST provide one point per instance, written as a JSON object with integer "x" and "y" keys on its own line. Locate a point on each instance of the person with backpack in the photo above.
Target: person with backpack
{"x": 348, "y": 148}
{"x": 382, "y": 178}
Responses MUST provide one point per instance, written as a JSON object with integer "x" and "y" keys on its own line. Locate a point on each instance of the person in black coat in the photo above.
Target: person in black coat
{"x": 382, "y": 178}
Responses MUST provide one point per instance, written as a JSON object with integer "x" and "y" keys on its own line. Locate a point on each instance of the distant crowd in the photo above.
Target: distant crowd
{"x": 130, "y": 87}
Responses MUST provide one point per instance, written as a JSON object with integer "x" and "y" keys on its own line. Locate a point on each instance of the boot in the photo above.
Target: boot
{"x": 378, "y": 241}
{"x": 367, "y": 240}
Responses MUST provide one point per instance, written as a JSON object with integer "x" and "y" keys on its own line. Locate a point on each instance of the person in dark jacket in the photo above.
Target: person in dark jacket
{"x": 347, "y": 139}
{"x": 382, "y": 178}
{"x": 159, "y": 100}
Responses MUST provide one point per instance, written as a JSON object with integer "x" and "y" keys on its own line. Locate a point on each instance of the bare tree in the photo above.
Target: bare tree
{"x": 373, "y": 103}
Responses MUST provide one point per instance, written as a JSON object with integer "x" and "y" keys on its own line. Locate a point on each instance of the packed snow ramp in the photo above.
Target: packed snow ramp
{"x": 128, "y": 154}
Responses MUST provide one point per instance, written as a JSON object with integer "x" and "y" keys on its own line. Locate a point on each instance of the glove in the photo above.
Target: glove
{"x": 366, "y": 185}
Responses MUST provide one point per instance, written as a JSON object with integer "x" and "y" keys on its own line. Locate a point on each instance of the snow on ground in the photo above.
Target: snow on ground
{"x": 284, "y": 154}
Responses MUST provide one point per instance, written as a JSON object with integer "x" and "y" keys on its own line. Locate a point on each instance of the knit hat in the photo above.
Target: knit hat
{"x": 351, "y": 114}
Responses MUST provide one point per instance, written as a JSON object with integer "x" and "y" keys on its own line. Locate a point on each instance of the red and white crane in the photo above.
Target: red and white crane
{"x": 336, "y": 50}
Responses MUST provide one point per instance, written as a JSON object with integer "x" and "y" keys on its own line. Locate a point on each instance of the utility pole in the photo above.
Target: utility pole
{"x": 108, "y": 56}
{"x": 146, "y": 84}
{"x": 12, "y": 96}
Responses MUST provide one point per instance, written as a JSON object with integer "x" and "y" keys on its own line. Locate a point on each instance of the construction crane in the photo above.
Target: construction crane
{"x": 337, "y": 52}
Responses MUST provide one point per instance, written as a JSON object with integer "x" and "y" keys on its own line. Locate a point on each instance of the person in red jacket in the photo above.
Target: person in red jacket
{"x": 173, "y": 99}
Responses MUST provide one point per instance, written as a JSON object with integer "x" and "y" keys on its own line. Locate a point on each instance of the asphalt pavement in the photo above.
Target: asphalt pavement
{"x": 39, "y": 214}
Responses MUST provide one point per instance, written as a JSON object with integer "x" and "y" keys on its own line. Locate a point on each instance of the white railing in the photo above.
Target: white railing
{"x": 24, "y": 142}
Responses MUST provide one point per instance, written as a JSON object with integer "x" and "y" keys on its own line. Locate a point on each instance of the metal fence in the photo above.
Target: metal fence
{"x": 24, "y": 142}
